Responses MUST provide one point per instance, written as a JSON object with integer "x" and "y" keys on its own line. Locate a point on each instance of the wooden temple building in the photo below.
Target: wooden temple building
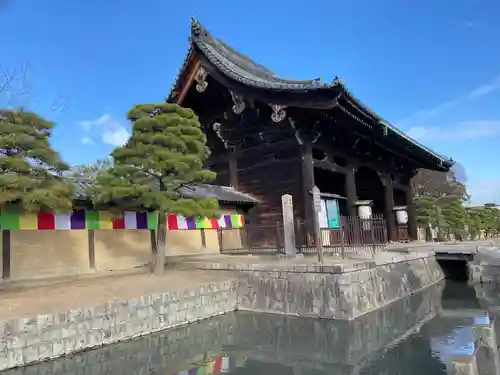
{"x": 271, "y": 136}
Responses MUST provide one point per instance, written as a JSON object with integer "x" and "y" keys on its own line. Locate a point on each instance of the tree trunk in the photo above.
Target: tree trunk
{"x": 161, "y": 237}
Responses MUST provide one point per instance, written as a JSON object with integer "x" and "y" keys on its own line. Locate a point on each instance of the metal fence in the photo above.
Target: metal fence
{"x": 354, "y": 234}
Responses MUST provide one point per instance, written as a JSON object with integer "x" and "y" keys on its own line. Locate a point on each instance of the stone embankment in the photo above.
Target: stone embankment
{"x": 50, "y": 335}
{"x": 338, "y": 289}
{"x": 485, "y": 358}
{"x": 485, "y": 268}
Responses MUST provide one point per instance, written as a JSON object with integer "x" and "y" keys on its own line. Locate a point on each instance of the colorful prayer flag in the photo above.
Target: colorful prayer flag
{"x": 98, "y": 220}
{"x": 28, "y": 220}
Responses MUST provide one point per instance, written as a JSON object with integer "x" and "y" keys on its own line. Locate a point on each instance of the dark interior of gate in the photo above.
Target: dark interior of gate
{"x": 271, "y": 136}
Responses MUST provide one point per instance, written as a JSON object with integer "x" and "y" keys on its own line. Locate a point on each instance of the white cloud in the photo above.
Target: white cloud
{"x": 475, "y": 94}
{"x": 111, "y": 131}
{"x": 86, "y": 141}
{"x": 117, "y": 137}
{"x": 87, "y": 124}
{"x": 461, "y": 131}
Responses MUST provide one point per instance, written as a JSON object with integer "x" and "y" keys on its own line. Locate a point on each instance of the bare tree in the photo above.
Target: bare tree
{"x": 435, "y": 184}
{"x": 17, "y": 88}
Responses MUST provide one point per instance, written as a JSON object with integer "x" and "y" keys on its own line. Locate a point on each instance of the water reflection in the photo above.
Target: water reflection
{"x": 417, "y": 335}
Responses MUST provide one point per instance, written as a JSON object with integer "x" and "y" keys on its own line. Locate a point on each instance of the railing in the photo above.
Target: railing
{"x": 354, "y": 235}
{"x": 403, "y": 234}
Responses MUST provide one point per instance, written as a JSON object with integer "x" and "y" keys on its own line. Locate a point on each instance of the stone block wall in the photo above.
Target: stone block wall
{"x": 32, "y": 339}
{"x": 483, "y": 273}
{"x": 345, "y": 295}
{"x": 163, "y": 352}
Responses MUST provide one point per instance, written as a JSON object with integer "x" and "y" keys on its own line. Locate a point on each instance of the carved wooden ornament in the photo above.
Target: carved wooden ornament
{"x": 217, "y": 128}
{"x": 201, "y": 79}
{"x": 279, "y": 112}
{"x": 239, "y": 104}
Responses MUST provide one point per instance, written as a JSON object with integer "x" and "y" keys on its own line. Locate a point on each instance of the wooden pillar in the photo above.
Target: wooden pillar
{"x": 233, "y": 167}
{"x": 350, "y": 190}
{"x": 307, "y": 186}
{"x": 308, "y": 180}
{"x": 392, "y": 230}
{"x": 410, "y": 209}
{"x": 203, "y": 238}
{"x": 91, "y": 239}
{"x": 6, "y": 254}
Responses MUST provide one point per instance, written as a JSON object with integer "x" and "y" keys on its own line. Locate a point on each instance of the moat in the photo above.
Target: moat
{"x": 417, "y": 335}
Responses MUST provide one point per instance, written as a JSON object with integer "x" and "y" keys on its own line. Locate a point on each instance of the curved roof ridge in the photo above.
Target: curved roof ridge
{"x": 240, "y": 67}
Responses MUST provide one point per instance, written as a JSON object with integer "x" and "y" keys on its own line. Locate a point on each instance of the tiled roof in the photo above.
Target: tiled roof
{"x": 221, "y": 193}
{"x": 243, "y": 70}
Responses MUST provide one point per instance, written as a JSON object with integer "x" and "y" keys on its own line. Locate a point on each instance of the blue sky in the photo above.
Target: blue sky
{"x": 430, "y": 67}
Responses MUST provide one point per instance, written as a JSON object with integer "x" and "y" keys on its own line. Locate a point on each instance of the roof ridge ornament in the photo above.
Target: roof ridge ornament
{"x": 196, "y": 27}
{"x": 337, "y": 81}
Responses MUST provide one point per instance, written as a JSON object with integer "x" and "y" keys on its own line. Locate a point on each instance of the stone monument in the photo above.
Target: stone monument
{"x": 288, "y": 225}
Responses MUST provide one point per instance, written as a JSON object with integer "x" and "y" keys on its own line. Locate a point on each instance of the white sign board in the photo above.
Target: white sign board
{"x": 316, "y": 199}
{"x": 322, "y": 217}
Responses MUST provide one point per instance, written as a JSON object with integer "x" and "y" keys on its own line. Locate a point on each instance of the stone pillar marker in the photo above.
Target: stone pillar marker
{"x": 288, "y": 225}
{"x": 317, "y": 230}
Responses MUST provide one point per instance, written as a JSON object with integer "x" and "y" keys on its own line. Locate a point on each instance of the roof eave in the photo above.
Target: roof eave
{"x": 447, "y": 162}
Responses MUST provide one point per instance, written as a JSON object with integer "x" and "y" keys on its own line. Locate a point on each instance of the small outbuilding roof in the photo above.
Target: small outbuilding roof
{"x": 225, "y": 194}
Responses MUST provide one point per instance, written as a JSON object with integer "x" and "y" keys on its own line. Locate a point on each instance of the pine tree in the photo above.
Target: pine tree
{"x": 31, "y": 172}
{"x": 491, "y": 219}
{"x": 454, "y": 215}
{"x": 425, "y": 210}
{"x": 164, "y": 154}
{"x": 475, "y": 222}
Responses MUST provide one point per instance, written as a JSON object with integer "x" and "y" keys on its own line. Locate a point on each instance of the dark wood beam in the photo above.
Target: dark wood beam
{"x": 389, "y": 206}
{"x": 354, "y": 160}
{"x": 329, "y": 166}
{"x": 350, "y": 190}
{"x": 233, "y": 167}
{"x": 189, "y": 82}
{"x": 277, "y": 146}
{"x": 399, "y": 186}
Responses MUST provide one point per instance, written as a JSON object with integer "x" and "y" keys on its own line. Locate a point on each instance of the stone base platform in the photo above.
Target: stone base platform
{"x": 337, "y": 289}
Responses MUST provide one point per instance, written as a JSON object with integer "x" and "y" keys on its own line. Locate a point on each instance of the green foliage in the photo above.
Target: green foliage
{"x": 476, "y": 222}
{"x": 484, "y": 219}
{"x": 165, "y": 153}
{"x": 425, "y": 208}
{"x": 454, "y": 216}
{"x": 491, "y": 221}
{"x": 31, "y": 172}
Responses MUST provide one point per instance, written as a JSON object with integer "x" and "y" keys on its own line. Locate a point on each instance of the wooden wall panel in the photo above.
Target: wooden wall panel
{"x": 268, "y": 176}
